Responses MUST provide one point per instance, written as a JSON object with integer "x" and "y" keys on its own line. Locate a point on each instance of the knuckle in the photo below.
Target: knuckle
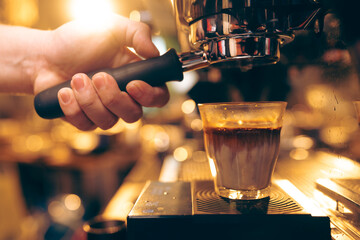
{"x": 164, "y": 101}
{"x": 160, "y": 98}
{"x": 82, "y": 124}
{"x": 79, "y": 120}
{"x": 151, "y": 101}
{"x": 87, "y": 104}
{"x": 86, "y": 127}
{"x": 111, "y": 102}
{"x": 73, "y": 115}
{"x": 108, "y": 124}
{"x": 143, "y": 27}
{"x": 133, "y": 117}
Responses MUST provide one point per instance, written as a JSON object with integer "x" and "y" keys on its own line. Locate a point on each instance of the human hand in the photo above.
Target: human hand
{"x": 98, "y": 102}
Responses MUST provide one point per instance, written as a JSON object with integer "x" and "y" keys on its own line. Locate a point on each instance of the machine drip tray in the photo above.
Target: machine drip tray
{"x": 344, "y": 190}
{"x": 192, "y": 210}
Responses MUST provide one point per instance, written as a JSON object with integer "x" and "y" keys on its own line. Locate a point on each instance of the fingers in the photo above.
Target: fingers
{"x": 117, "y": 101}
{"x": 99, "y": 102}
{"x": 82, "y": 107}
{"x": 147, "y": 95}
{"x": 72, "y": 111}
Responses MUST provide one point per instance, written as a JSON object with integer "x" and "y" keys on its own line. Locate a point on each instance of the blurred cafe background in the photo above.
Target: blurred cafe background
{"x": 53, "y": 177}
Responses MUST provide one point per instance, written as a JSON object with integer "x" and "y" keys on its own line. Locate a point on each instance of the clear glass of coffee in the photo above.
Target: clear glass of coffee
{"x": 242, "y": 144}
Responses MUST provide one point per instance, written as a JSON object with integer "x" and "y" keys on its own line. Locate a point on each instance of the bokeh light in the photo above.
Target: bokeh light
{"x": 72, "y": 202}
{"x": 188, "y": 106}
{"x": 181, "y": 154}
{"x": 87, "y": 9}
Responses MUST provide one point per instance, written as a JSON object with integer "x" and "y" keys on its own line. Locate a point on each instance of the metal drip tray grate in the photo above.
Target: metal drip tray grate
{"x": 207, "y": 201}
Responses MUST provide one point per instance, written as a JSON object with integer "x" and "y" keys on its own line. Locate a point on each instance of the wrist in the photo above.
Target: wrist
{"x": 34, "y": 60}
{"x": 22, "y": 55}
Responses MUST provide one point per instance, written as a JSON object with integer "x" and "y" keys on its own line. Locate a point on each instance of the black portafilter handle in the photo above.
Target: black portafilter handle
{"x": 155, "y": 71}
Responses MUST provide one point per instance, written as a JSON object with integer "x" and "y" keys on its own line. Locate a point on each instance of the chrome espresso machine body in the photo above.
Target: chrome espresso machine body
{"x": 250, "y": 32}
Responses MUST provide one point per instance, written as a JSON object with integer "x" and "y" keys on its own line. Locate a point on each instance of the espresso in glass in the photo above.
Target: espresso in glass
{"x": 242, "y": 144}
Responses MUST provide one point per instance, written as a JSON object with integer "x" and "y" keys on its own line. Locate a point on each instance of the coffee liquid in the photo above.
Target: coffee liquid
{"x": 244, "y": 157}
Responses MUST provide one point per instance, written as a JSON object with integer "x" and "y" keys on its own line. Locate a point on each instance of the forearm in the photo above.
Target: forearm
{"x": 21, "y": 57}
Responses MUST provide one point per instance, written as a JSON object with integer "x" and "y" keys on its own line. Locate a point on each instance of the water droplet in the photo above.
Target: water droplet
{"x": 148, "y": 211}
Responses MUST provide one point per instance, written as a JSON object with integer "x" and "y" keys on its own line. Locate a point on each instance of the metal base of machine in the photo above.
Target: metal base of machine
{"x": 192, "y": 210}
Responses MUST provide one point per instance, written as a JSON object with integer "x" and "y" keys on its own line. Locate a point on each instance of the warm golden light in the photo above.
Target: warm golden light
{"x": 303, "y": 141}
{"x": 161, "y": 141}
{"x": 344, "y": 163}
{"x": 188, "y": 106}
{"x": 199, "y": 156}
{"x": 61, "y": 132}
{"x": 334, "y": 135}
{"x": 135, "y": 16}
{"x": 300, "y": 197}
{"x": 9, "y": 128}
{"x": 60, "y": 154}
{"x": 326, "y": 201}
{"x": 34, "y": 143}
{"x": 181, "y": 154}
{"x": 21, "y": 12}
{"x": 72, "y": 202}
{"x": 341, "y": 165}
{"x": 56, "y": 209}
{"x": 133, "y": 126}
{"x": 17, "y": 144}
{"x": 170, "y": 170}
{"x": 84, "y": 142}
{"x": 212, "y": 167}
{"x": 299, "y": 154}
{"x": 196, "y": 125}
{"x": 148, "y": 132}
{"x": 92, "y": 14}
{"x": 318, "y": 96}
{"x": 117, "y": 128}
{"x": 87, "y": 9}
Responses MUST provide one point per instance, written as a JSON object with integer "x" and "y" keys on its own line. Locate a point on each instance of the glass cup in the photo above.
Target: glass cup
{"x": 242, "y": 144}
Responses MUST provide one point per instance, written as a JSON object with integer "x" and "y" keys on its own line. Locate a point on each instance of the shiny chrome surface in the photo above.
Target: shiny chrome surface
{"x": 194, "y": 60}
{"x": 243, "y": 30}
{"x": 243, "y": 50}
{"x": 225, "y": 25}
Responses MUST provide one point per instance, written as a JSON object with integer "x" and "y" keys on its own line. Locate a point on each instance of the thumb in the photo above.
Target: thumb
{"x": 136, "y": 35}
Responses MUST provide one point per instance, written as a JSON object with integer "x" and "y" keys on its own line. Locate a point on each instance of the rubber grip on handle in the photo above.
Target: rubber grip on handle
{"x": 155, "y": 71}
